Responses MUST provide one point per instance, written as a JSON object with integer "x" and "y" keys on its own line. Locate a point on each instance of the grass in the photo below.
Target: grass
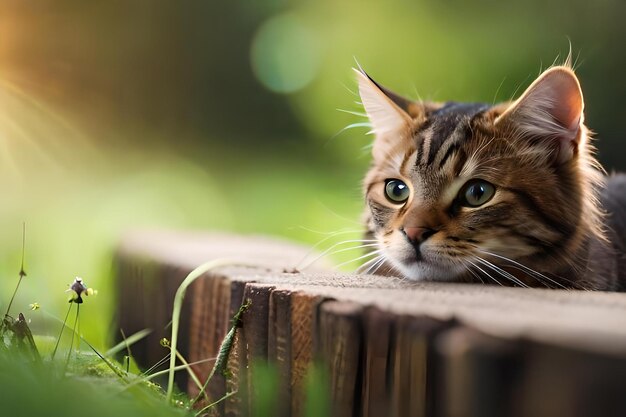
{"x": 35, "y": 380}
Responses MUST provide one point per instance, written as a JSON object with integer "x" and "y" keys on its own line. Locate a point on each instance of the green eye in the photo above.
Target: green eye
{"x": 475, "y": 193}
{"x": 397, "y": 191}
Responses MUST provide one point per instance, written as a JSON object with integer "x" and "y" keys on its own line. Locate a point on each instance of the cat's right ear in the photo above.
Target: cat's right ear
{"x": 552, "y": 109}
{"x": 388, "y": 113}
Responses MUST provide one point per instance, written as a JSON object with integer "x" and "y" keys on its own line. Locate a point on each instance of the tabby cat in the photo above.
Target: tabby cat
{"x": 508, "y": 194}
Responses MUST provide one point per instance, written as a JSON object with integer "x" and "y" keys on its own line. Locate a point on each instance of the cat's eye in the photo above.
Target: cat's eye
{"x": 396, "y": 191}
{"x": 475, "y": 193}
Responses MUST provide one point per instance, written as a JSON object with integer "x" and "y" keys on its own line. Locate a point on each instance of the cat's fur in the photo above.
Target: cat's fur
{"x": 555, "y": 220}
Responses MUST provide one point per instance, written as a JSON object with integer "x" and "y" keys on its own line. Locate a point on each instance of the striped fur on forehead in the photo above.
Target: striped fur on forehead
{"x": 442, "y": 134}
{"x": 446, "y": 127}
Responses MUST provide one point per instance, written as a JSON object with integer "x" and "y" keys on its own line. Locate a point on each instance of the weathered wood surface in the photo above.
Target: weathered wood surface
{"x": 389, "y": 347}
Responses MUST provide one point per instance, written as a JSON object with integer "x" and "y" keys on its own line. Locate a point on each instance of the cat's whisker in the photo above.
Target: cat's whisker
{"x": 533, "y": 274}
{"x": 536, "y": 278}
{"x": 538, "y": 275}
{"x": 331, "y": 234}
{"x": 335, "y": 234}
{"x": 486, "y": 273}
{"x": 304, "y": 258}
{"x": 350, "y": 126}
{"x": 367, "y": 255}
{"x": 526, "y": 269}
{"x": 354, "y": 113}
{"x": 501, "y": 271}
{"x": 376, "y": 266}
{"x": 349, "y": 89}
{"x": 542, "y": 278}
{"x": 403, "y": 280}
{"x": 417, "y": 94}
{"x": 475, "y": 275}
{"x": 367, "y": 245}
{"x": 342, "y": 217}
{"x": 495, "y": 96}
{"x": 368, "y": 263}
{"x": 329, "y": 252}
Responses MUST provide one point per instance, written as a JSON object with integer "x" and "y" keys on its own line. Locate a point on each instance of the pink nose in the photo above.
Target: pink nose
{"x": 418, "y": 234}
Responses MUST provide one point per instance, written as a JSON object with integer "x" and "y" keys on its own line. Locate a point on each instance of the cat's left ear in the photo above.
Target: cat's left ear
{"x": 388, "y": 113}
{"x": 551, "y": 108}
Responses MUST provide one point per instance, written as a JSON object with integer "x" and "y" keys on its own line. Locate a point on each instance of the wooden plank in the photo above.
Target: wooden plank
{"x": 588, "y": 320}
{"x": 414, "y": 366}
{"x": 254, "y": 334}
{"x": 558, "y": 382}
{"x": 279, "y": 346}
{"x": 236, "y": 381}
{"x": 487, "y": 376}
{"x": 591, "y": 321}
{"x": 210, "y": 321}
{"x": 479, "y": 374}
{"x": 203, "y": 321}
{"x": 255, "y": 320}
{"x": 303, "y": 311}
{"x": 377, "y": 366}
{"x": 338, "y": 345}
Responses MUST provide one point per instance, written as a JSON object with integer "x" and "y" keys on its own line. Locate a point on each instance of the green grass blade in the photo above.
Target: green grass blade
{"x": 129, "y": 341}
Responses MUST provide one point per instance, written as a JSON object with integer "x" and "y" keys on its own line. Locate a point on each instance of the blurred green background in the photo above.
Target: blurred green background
{"x": 118, "y": 115}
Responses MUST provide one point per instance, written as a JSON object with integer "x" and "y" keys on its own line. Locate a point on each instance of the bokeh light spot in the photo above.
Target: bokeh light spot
{"x": 284, "y": 54}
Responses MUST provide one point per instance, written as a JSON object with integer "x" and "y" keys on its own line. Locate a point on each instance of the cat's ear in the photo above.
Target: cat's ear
{"x": 388, "y": 113}
{"x": 551, "y": 108}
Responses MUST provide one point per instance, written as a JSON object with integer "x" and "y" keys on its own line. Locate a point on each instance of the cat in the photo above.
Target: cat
{"x": 507, "y": 194}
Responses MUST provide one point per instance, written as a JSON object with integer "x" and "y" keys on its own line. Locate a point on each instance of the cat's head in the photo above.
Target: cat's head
{"x": 456, "y": 190}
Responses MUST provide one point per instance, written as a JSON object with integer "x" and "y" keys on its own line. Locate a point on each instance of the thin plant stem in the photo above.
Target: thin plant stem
{"x": 228, "y": 395}
{"x": 61, "y": 334}
{"x": 22, "y": 273}
{"x": 127, "y": 357}
{"x": 13, "y": 296}
{"x": 156, "y": 365}
{"x": 177, "y": 368}
{"x": 69, "y": 352}
{"x": 113, "y": 368}
{"x": 192, "y": 375}
{"x": 144, "y": 378}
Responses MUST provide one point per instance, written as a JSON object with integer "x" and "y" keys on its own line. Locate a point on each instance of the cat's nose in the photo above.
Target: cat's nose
{"x": 418, "y": 234}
